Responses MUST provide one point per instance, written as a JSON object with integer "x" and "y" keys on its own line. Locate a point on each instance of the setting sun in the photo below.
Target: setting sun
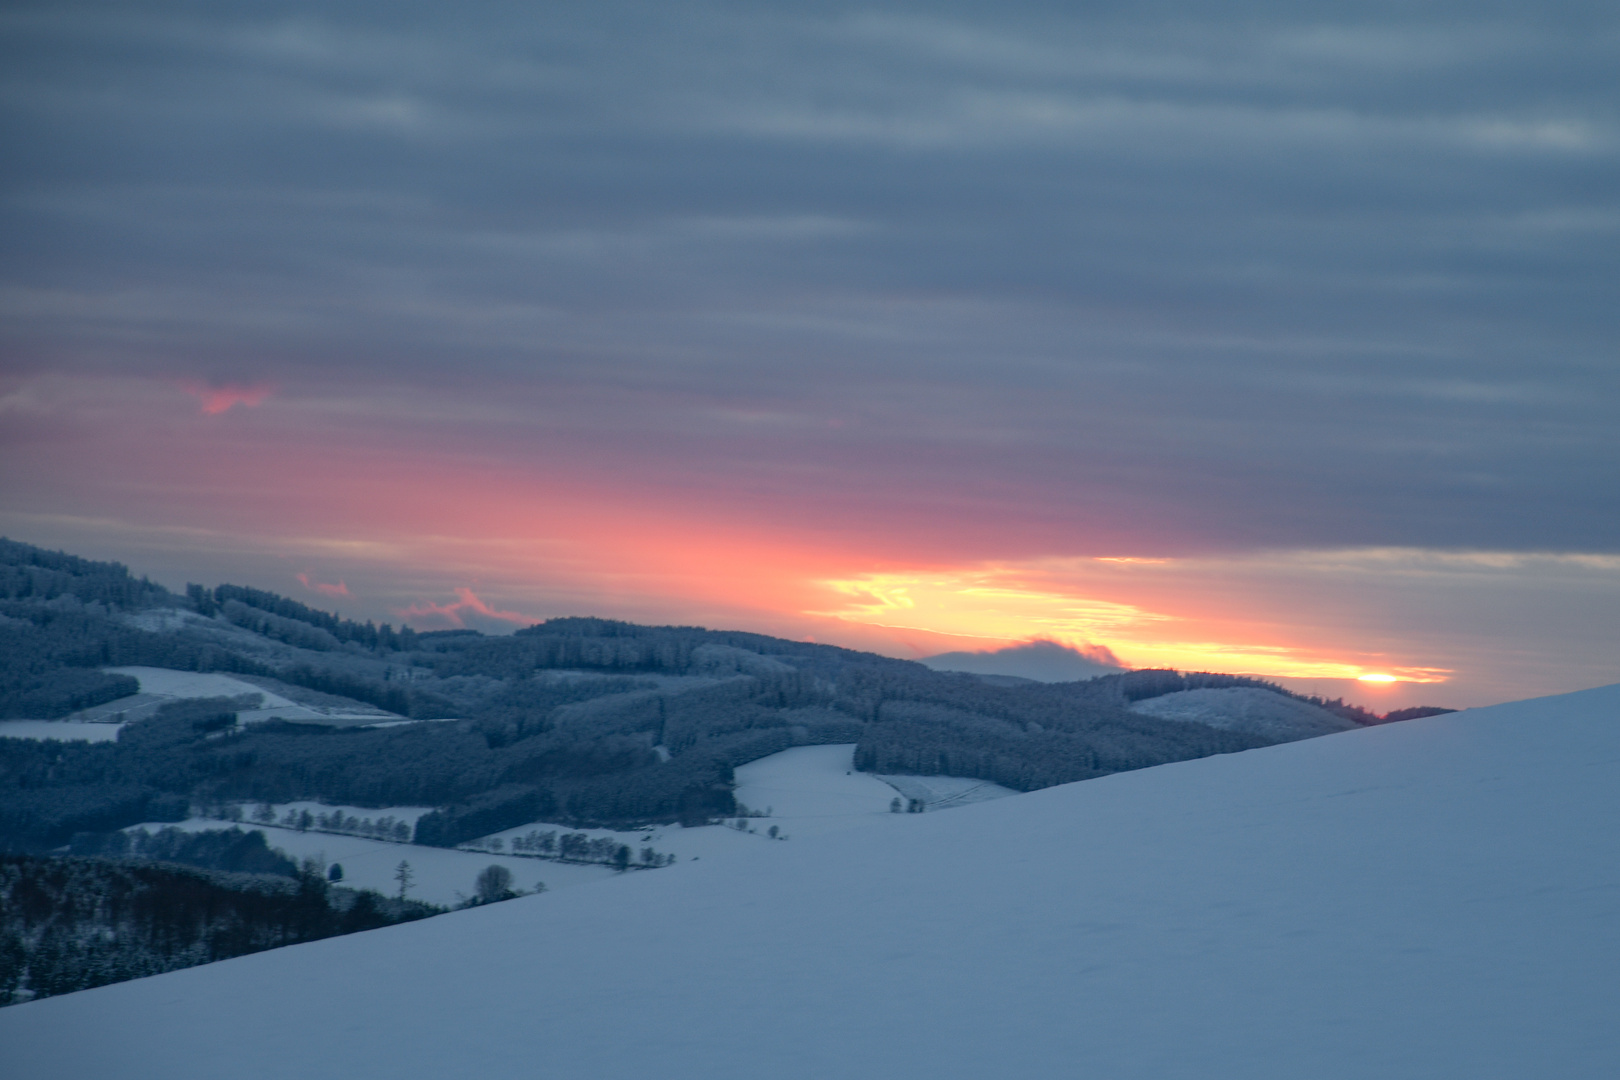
{"x": 1376, "y": 678}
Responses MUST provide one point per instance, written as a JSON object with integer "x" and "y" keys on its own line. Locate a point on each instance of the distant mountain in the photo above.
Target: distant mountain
{"x": 1038, "y": 661}
{"x": 1427, "y": 899}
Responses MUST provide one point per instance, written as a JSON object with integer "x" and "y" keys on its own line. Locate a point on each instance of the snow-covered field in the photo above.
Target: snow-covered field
{"x": 67, "y": 730}
{"x": 809, "y": 790}
{"x": 944, "y": 792}
{"x": 816, "y": 789}
{"x": 440, "y": 875}
{"x": 159, "y": 685}
{"x": 1438, "y": 898}
{"x": 805, "y": 791}
{"x": 813, "y": 789}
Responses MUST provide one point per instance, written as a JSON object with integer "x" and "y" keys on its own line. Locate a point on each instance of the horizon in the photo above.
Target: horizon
{"x": 1096, "y": 657}
{"x": 1271, "y": 342}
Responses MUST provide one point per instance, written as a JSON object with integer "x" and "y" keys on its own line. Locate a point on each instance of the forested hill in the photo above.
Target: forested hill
{"x": 574, "y": 720}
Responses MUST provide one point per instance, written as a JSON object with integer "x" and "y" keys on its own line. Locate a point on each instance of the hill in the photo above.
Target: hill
{"x": 579, "y": 721}
{"x": 1246, "y": 708}
{"x": 1434, "y": 898}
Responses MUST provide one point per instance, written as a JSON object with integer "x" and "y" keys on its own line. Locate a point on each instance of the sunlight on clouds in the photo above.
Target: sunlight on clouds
{"x": 221, "y": 399}
{"x": 976, "y": 604}
{"x": 1001, "y": 602}
{"x": 467, "y": 602}
{"x": 322, "y": 587}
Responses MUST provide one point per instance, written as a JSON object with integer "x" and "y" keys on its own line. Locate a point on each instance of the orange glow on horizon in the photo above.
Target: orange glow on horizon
{"x": 391, "y": 504}
{"x": 1019, "y": 603}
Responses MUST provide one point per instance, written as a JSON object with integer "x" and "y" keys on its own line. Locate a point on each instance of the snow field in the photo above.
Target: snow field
{"x": 441, "y": 875}
{"x": 945, "y": 792}
{"x": 1437, "y": 898}
{"x": 810, "y": 789}
{"x": 66, "y": 730}
{"x": 165, "y": 684}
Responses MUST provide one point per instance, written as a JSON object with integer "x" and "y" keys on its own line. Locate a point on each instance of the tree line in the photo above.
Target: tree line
{"x": 70, "y": 923}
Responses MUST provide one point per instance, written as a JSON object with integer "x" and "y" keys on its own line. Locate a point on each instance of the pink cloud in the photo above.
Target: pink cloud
{"x": 340, "y": 589}
{"x": 218, "y": 399}
{"x": 469, "y": 601}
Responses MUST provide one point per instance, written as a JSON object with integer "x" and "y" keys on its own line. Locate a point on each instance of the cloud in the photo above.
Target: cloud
{"x": 1057, "y": 606}
{"x": 340, "y": 589}
{"x": 224, "y": 397}
{"x": 454, "y": 612}
{"x": 902, "y": 288}
{"x": 1040, "y": 659}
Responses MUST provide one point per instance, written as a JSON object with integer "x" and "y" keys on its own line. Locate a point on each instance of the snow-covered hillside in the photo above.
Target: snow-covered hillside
{"x": 1438, "y": 898}
{"x": 807, "y": 790}
{"x": 159, "y": 685}
{"x": 1246, "y": 708}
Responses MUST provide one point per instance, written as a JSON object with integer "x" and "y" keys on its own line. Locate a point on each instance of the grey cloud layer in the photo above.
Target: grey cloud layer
{"x": 1157, "y": 278}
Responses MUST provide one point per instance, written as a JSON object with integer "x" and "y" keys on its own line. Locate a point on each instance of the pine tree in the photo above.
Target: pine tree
{"x": 403, "y": 875}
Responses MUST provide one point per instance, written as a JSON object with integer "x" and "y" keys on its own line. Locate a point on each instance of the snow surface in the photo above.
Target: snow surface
{"x": 945, "y": 792}
{"x": 1248, "y": 709}
{"x": 810, "y": 790}
{"x": 166, "y": 684}
{"x": 66, "y": 730}
{"x": 441, "y": 875}
{"x": 1436, "y": 898}
{"x": 805, "y": 791}
{"x": 815, "y": 789}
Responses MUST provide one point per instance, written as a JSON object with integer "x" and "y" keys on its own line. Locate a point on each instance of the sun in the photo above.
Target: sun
{"x": 1376, "y": 677}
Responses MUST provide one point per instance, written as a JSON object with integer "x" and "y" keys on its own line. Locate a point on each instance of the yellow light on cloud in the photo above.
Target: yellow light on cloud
{"x": 1002, "y": 602}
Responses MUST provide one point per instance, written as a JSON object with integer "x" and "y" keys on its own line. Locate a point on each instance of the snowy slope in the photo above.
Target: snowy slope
{"x": 1439, "y": 898}
{"x": 63, "y": 730}
{"x": 808, "y": 789}
{"x": 1246, "y": 708}
{"x": 159, "y": 685}
{"x": 439, "y": 875}
{"x": 811, "y": 789}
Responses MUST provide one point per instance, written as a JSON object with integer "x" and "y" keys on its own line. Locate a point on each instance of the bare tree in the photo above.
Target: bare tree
{"x": 403, "y": 875}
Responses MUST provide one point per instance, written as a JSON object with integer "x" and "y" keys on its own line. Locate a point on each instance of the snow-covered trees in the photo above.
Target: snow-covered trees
{"x": 494, "y": 883}
{"x": 403, "y": 875}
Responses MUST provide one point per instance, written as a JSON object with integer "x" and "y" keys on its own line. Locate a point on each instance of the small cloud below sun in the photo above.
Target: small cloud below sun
{"x": 339, "y": 589}
{"x": 223, "y": 398}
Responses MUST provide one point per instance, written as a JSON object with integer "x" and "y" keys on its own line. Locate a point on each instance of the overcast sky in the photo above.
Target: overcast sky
{"x": 684, "y": 311}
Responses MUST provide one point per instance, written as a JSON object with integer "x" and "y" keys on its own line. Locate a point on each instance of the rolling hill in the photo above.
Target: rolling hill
{"x": 581, "y": 721}
{"x": 1433, "y": 898}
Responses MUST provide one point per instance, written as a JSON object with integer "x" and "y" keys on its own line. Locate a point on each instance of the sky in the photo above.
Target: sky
{"x": 1272, "y": 338}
